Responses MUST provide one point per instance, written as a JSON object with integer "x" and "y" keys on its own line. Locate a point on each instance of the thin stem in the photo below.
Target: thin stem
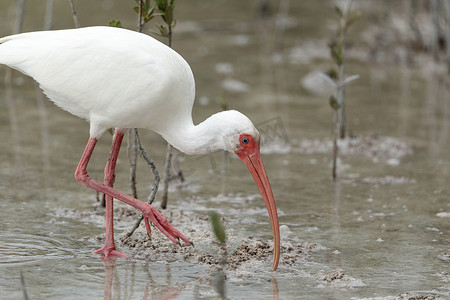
{"x": 132, "y": 158}
{"x": 340, "y": 88}
{"x": 140, "y": 23}
{"x": 341, "y": 101}
{"x": 166, "y": 176}
{"x": 74, "y": 14}
{"x": 156, "y": 181}
{"x": 18, "y": 24}
{"x": 447, "y": 33}
{"x": 49, "y": 15}
{"x": 335, "y": 146}
{"x": 169, "y": 36}
{"x": 24, "y": 289}
{"x": 133, "y": 145}
{"x": 177, "y": 169}
{"x": 168, "y": 162}
{"x": 152, "y": 165}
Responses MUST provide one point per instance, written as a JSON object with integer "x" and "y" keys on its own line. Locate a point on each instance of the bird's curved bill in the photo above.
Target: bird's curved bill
{"x": 255, "y": 166}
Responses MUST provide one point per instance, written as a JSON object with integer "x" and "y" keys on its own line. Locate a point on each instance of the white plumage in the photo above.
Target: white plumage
{"x": 117, "y": 78}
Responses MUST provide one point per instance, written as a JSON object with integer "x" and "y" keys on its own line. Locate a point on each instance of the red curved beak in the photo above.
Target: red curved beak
{"x": 255, "y": 166}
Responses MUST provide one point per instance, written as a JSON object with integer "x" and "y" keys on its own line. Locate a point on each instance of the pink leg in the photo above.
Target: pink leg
{"x": 149, "y": 212}
{"x": 109, "y": 249}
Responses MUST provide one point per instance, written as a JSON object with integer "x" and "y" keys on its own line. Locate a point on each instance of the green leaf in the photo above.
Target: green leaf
{"x": 114, "y": 23}
{"x": 338, "y": 11}
{"x": 340, "y": 51}
{"x": 333, "y": 73}
{"x": 217, "y": 226}
{"x": 222, "y": 102}
{"x": 150, "y": 12}
{"x": 162, "y": 30}
{"x": 334, "y": 103}
{"x": 162, "y": 5}
{"x": 168, "y": 15}
{"x": 350, "y": 79}
{"x": 335, "y": 53}
{"x": 352, "y": 19}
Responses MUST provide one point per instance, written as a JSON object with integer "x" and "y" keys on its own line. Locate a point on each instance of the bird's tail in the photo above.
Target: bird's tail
{"x": 13, "y": 51}
{"x": 3, "y": 51}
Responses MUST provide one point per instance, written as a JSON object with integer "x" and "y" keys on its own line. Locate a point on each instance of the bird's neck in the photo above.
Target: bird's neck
{"x": 208, "y": 136}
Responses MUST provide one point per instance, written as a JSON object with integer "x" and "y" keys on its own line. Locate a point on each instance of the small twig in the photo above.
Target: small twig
{"x": 20, "y": 16}
{"x": 340, "y": 96}
{"x": 140, "y": 23}
{"x": 176, "y": 167}
{"x": 166, "y": 176}
{"x": 152, "y": 165}
{"x": 337, "y": 100}
{"x": 49, "y": 15}
{"x": 132, "y": 158}
{"x": 156, "y": 180}
{"x": 133, "y": 145}
{"x": 335, "y": 145}
{"x": 22, "y": 282}
{"x": 168, "y": 18}
{"x": 74, "y": 14}
{"x": 169, "y": 36}
{"x": 447, "y": 33}
{"x": 168, "y": 163}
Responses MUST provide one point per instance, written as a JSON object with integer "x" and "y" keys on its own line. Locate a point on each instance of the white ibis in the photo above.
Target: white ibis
{"x": 117, "y": 78}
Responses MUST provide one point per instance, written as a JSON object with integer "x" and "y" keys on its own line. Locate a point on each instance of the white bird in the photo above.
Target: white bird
{"x": 117, "y": 78}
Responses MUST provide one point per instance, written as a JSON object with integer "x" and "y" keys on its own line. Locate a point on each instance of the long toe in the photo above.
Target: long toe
{"x": 164, "y": 226}
{"x": 114, "y": 254}
{"x": 170, "y": 228}
{"x": 110, "y": 252}
{"x": 148, "y": 228}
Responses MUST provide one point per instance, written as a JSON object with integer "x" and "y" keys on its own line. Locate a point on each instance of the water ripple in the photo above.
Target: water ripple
{"x": 19, "y": 248}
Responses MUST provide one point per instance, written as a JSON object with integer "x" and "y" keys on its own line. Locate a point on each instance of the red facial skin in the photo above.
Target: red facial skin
{"x": 250, "y": 154}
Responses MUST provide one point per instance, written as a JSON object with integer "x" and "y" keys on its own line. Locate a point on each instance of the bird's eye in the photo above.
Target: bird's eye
{"x": 244, "y": 140}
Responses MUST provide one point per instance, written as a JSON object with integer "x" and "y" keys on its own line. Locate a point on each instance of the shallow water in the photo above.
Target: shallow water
{"x": 381, "y": 229}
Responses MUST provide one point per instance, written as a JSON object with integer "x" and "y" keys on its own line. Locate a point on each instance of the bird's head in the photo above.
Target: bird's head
{"x": 243, "y": 139}
{"x": 233, "y": 132}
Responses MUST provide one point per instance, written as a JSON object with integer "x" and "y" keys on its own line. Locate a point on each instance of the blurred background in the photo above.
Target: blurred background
{"x": 382, "y": 225}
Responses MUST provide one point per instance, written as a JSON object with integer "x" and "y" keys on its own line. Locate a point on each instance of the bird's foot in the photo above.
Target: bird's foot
{"x": 152, "y": 214}
{"x": 109, "y": 252}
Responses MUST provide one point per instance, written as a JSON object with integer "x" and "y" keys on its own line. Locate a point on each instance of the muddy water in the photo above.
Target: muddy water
{"x": 381, "y": 230}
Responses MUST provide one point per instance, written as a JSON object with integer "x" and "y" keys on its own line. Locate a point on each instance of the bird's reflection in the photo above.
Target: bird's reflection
{"x": 109, "y": 270}
{"x": 275, "y": 291}
{"x": 113, "y": 285}
{"x": 124, "y": 287}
